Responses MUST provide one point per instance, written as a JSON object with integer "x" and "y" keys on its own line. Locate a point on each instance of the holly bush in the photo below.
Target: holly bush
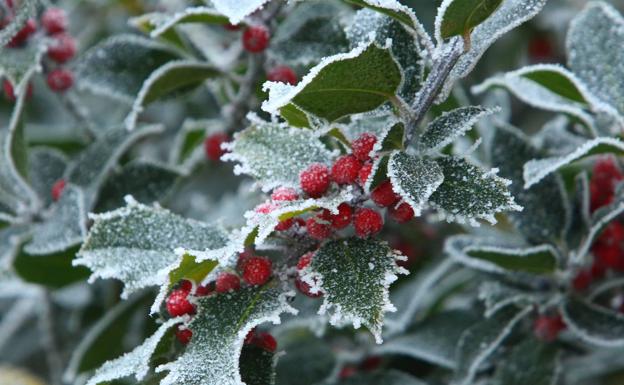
{"x": 311, "y": 192}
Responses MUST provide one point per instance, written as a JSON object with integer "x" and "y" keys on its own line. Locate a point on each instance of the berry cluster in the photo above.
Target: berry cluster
{"x": 61, "y": 49}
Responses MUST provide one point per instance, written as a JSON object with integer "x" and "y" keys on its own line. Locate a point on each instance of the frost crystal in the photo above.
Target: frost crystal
{"x": 237, "y": 10}
{"x": 414, "y": 179}
{"x": 452, "y": 124}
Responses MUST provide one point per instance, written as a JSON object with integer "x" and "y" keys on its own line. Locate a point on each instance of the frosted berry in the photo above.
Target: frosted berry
{"x": 346, "y": 169}
{"x": 257, "y": 270}
{"x": 63, "y": 48}
{"x": 265, "y": 341}
{"x": 365, "y": 172}
{"x": 20, "y": 38}
{"x": 314, "y": 180}
{"x": 285, "y": 224}
{"x": 250, "y": 337}
{"x": 204, "y": 290}
{"x": 605, "y": 177}
{"x": 384, "y": 196}
{"x": 183, "y": 335}
{"x": 265, "y": 208}
{"x": 186, "y": 285}
{"x": 256, "y": 38}
{"x": 178, "y": 303}
{"x": 319, "y": 226}
{"x": 212, "y": 146}
{"x": 305, "y": 289}
{"x": 363, "y": 145}
{"x": 305, "y": 260}
{"x": 547, "y": 328}
{"x": 283, "y": 74}
{"x": 54, "y": 20}
{"x": 57, "y": 189}
{"x": 343, "y": 218}
{"x": 284, "y": 194}
{"x": 60, "y": 80}
{"x": 367, "y": 222}
{"x": 227, "y": 282}
{"x": 401, "y": 213}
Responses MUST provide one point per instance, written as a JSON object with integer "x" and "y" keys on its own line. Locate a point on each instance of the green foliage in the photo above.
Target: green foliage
{"x": 459, "y": 17}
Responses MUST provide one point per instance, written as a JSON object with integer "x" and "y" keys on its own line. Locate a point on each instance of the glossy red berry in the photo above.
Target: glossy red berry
{"x": 319, "y": 226}
{"x": 57, "y": 189}
{"x": 265, "y": 341}
{"x": 183, "y": 335}
{"x": 384, "y": 196}
{"x": 62, "y": 48}
{"x": 346, "y": 169}
{"x": 401, "y": 213}
{"x": 284, "y": 194}
{"x": 257, "y": 270}
{"x": 283, "y": 74}
{"x": 364, "y": 173}
{"x": 227, "y": 282}
{"x": 54, "y": 20}
{"x": 315, "y": 180}
{"x": 186, "y": 285}
{"x": 60, "y": 80}
{"x": 343, "y": 218}
{"x": 256, "y": 38}
{"x": 27, "y": 30}
{"x": 547, "y": 328}
{"x": 178, "y": 303}
{"x": 367, "y": 222}
{"x": 212, "y": 145}
{"x": 305, "y": 260}
{"x": 363, "y": 145}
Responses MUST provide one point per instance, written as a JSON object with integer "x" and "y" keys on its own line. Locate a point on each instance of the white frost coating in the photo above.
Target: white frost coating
{"x": 31, "y": 58}
{"x": 237, "y": 10}
{"x": 437, "y": 24}
{"x": 593, "y": 310}
{"x": 578, "y": 256}
{"x": 488, "y": 291}
{"x": 138, "y": 104}
{"x": 536, "y": 169}
{"x": 135, "y": 362}
{"x": 169, "y": 22}
{"x": 376, "y": 164}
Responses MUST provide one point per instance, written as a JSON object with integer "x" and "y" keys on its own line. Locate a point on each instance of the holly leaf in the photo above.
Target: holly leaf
{"x": 136, "y": 244}
{"x": 361, "y": 295}
{"x": 169, "y": 80}
{"x": 591, "y": 44}
{"x": 414, "y": 178}
{"x": 593, "y": 323}
{"x": 469, "y": 192}
{"x": 19, "y": 65}
{"x": 24, "y": 10}
{"x": 452, "y": 124}
{"x": 275, "y": 155}
{"x": 529, "y": 362}
{"x": 459, "y": 17}
{"x": 340, "y": 85}
{"x": 45, "y": 167}
{"x": 219, "y": 329}
{"x": 118, "y": 66}
{"x": 53, "y": 270}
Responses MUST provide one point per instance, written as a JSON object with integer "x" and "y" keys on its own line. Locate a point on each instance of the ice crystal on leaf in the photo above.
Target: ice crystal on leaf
{"x": 25, "y": 10}
{"x": 452, "y": 124}
{"x": 237, "y": 10}
{"x": 19, "y": 66}
{"x": 414, "y": 179}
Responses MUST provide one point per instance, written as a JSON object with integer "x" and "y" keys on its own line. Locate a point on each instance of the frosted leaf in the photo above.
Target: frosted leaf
{"x": 236, "y": 11}
{"x": 508, "y": 16}
{"x": 546, "y": 86}
{"x": 391, "y": 139}
{"x": 376, "y": 122}
{"x": 536, "y": 169}
{"x": 136, "y": 244}
{"x": 388, "y": 377}
{"x": 499, "y": 256}
{"x": 592, "y": 323}
{"x": 172, "y": 78}
{"x": 594, "y": 55}
{"x": 481, "y": 340}
{"x": 433, "y": 340}
{"x": 45, "y": 166}
{"x": 135, "y": 363}
{"x": 163, "y": 24}
{"x": 497, "y": 296}
{"x": 187, "y": 149}
{"x": 469, "y": 192}
{"x": 378, "y": 174}
{"x": 545, "y": 214}
{"x": 257, "y": 365}
{"x": 219, "y": 329}
{"x": 11, "y": 239}
{"x": 556, "y": 136}
{"x": 90, "y": 167}
{"x": 414, "y": 178}
{"x": 64, "y": 227}
{"x": 275, "y": 155}
{"x": 25, "y": 10}
{"x": 355, "y": 276}
{"x": 354, "y": 82}
{"x": 452, "y": 124}
{"x": 118, "y": 66}
{"x": 310, "y": 32}
{"x": 19, "y": 65}
{"x": 459, "y": 17}
{"x": 529, "y": 362}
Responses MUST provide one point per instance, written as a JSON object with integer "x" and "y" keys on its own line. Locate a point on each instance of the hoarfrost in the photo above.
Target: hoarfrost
{"x": 452, "y": 124}
{"x": 414, "y": 179}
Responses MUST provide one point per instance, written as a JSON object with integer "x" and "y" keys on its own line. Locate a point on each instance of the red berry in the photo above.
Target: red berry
{"x": 346, "y": 169}
{"x": 204, "y": 291}
{"x": 178, "y": 303}
{"x": 367, "y": 222}
{"x": 605, "y": 176}
{"x": 256, "y": 38}
{"x": 212, "y": 145}
{"x": 63, "y": 48}
{"x": 54, "y": 20}
{"x": 265, "y": 208}
{"x": 547, "y": 328}
{"x": 183, "y": 335}
{"x": 249, "y": 338}
{"x": 314, "y": 180}
{"x": 57, "y": 189}
{"x": 283, "y": 74}
{"x": 227, "y": 282}
{"x": 242, "y": 259}
{"x": 347, "y": 371}
{"x": 304, "y": 288}
{"x": 20, "y": 38}
{"x": 408, "y": 250}
{"x": 401, "y": 213}
{"x": 284, "y": 194}
{"x": 186, "y": 285}
{"x": 10, "y": 93}
{"x": 363, "y": 145}
{"x": 305, "y": 260}
{"x": 384, "y": 196}
{"x": 365, "y": 172}
{"x": 540, "y": 49}
{"x": 598, "y": 270}
{"x": 60, "y": 80}
{"x": 582, "y": 280}
{"x": 319, "y": 226}
{"x": 265, "y": 341}
{"x": 285, "y": 224}
{"x": 257, "y": 271}
{"x": 343, "y": 218}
